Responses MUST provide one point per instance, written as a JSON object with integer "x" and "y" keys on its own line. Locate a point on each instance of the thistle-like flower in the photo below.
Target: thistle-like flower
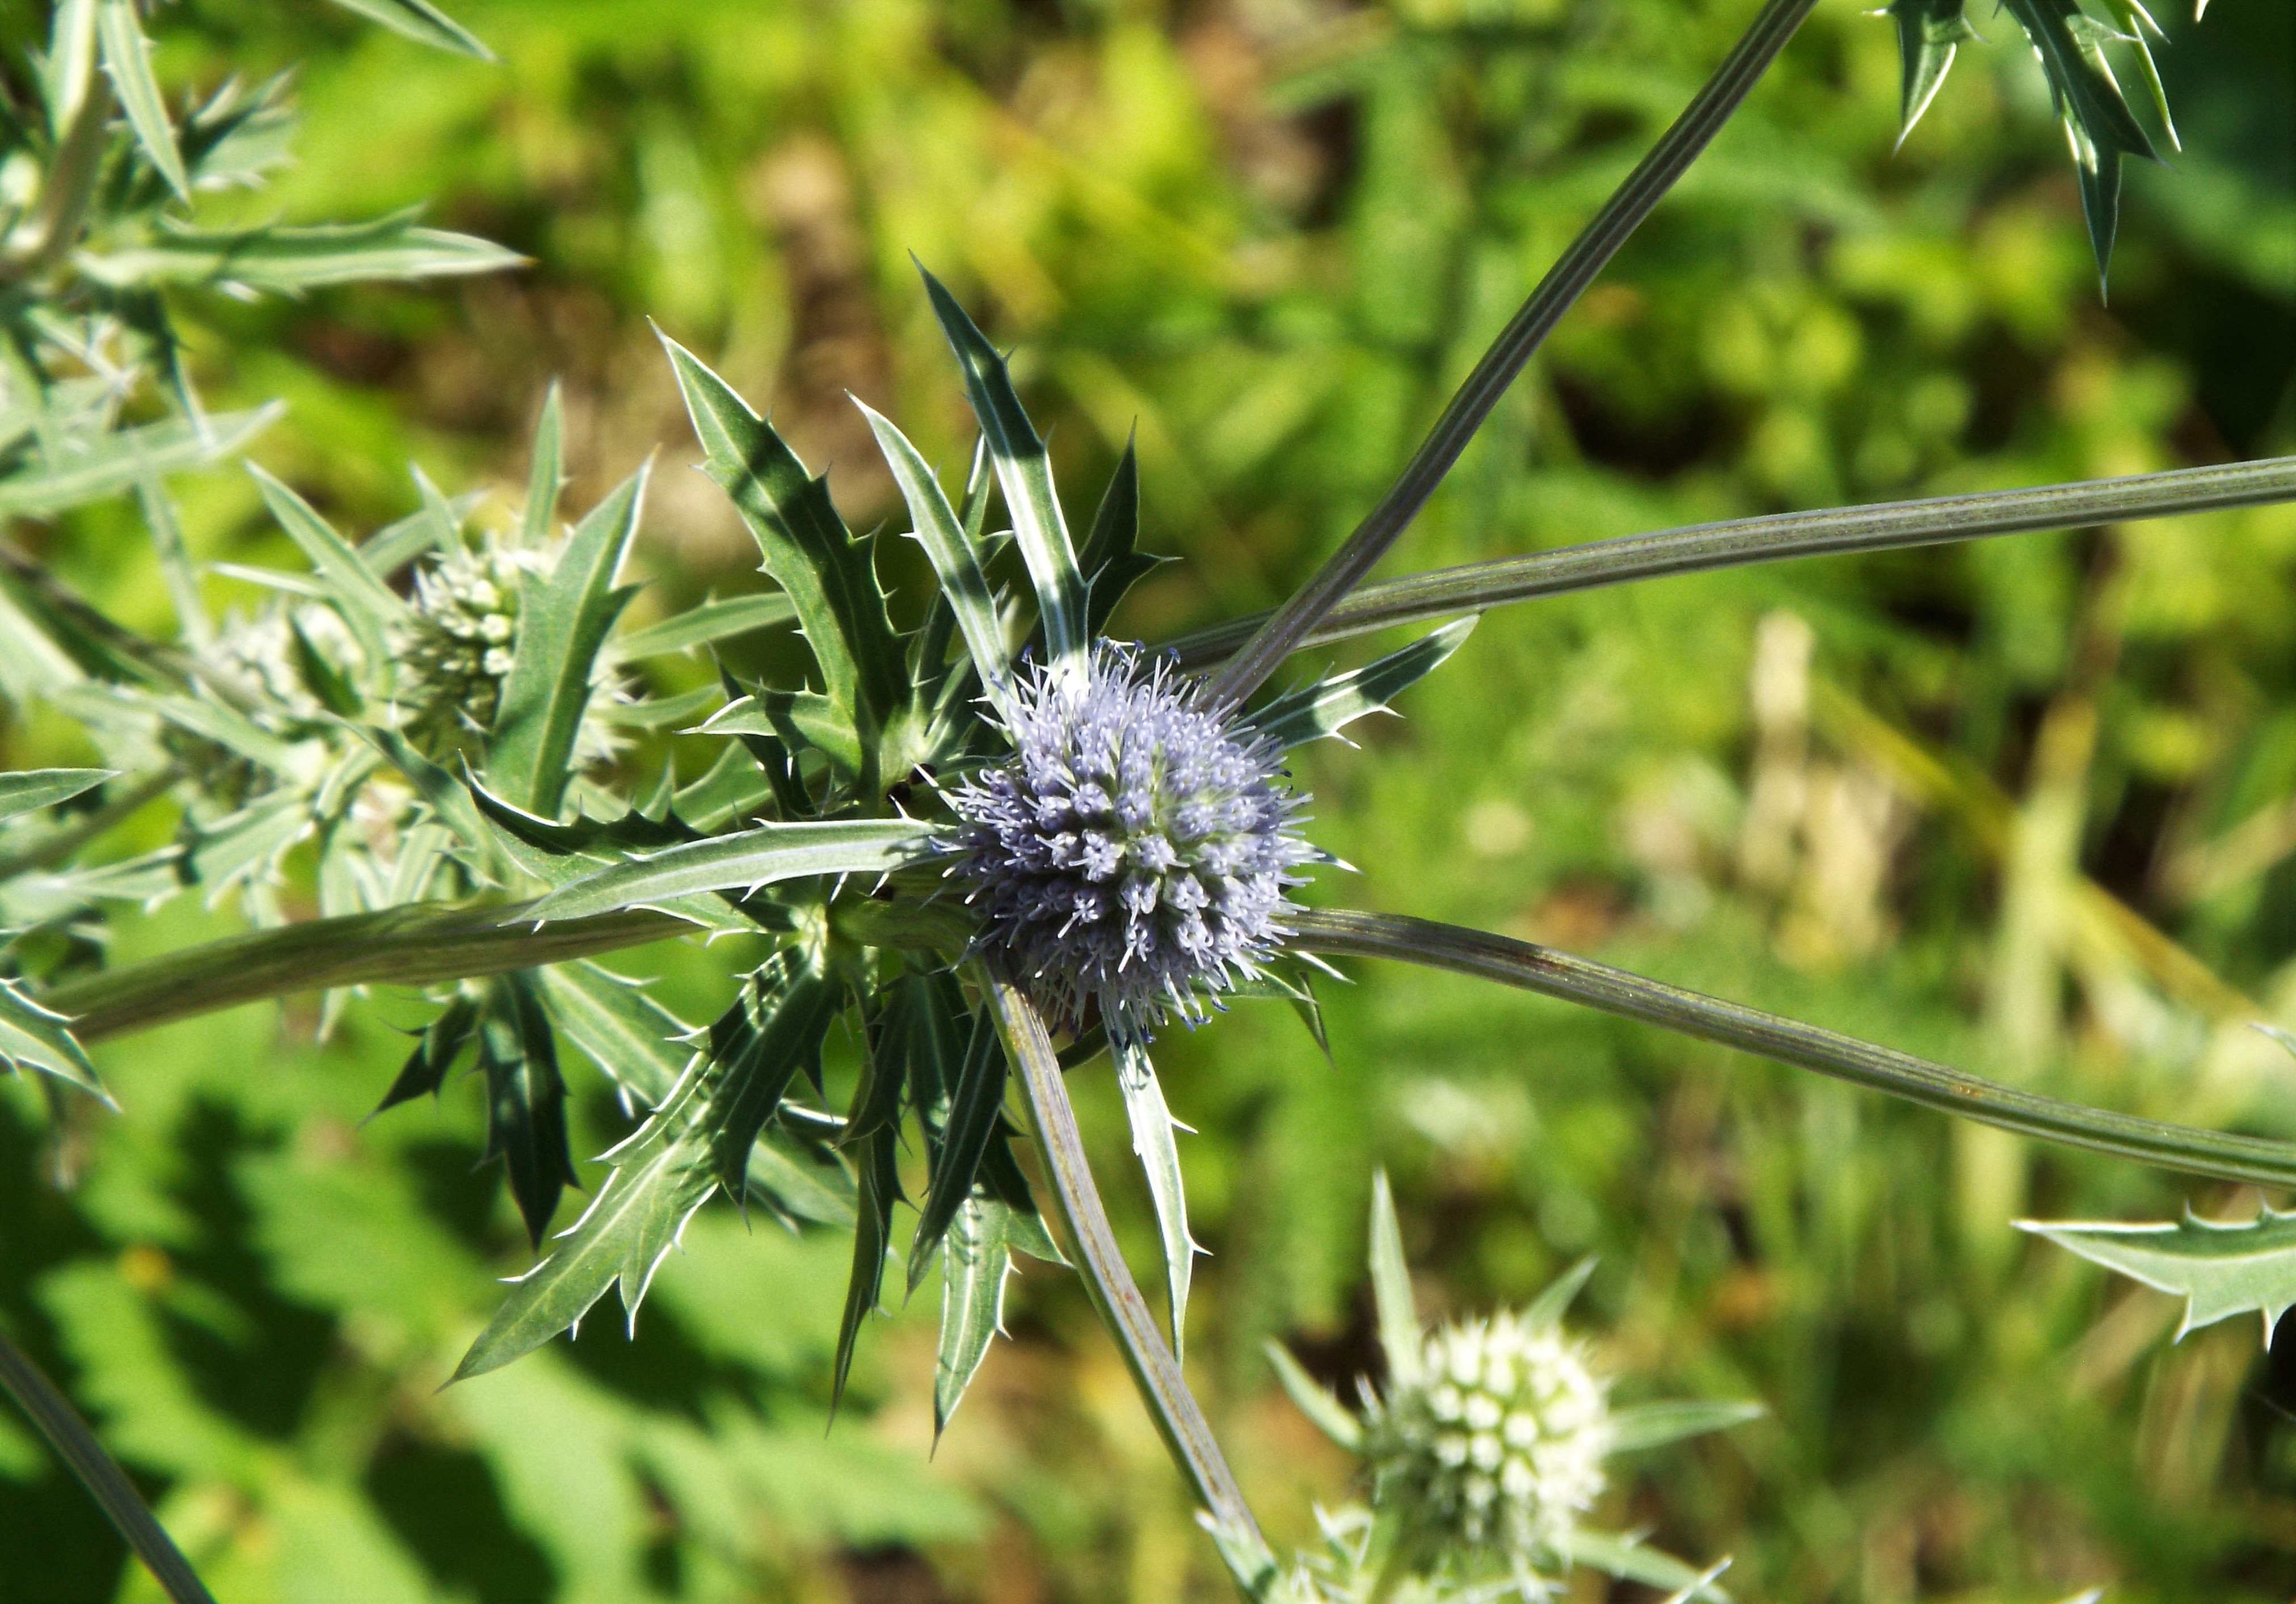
{"x": 1496, "y": 1445}
{"x": 1135, "y": 850}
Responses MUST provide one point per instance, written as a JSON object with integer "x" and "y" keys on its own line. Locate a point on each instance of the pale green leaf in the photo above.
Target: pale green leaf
{"x": 636, "y": 1042}
{"x": 368, "y": 606}
{"x": 743, "y": 861}
{"x": 1653, "y": 1425}
{"x": 1546, "y": 1309}
{"x": 1628, "y": 1559}
{"x": 545, "y": 473}
{"x": 32, "y": 1037}
{"x": 1326, "y": 1412}
{"x": 1152, "y": 1144}
{"x": 1329, "y": 706}
{"x": 711, "y": 621}
{"x": 1390, "y": 1287}
{"x": 976, "y": 1261}
{"x": 2220, "y": 1268}
{"x": 423, "y": 22}
{"x": 289, "y": 259}
{"x": 116, "y": 463}
{"x": 28, "y": 790}
{"x": 127, "y": 58}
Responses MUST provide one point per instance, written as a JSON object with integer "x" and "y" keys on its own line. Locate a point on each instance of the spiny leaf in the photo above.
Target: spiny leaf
{"x": 1929, "y": 33}
{"x": 1329, "y": 706}
{"x": 2222, "y": 1267}
{"x": 127, "y": 58}
{"x": 442, "y": 1042}
{"x": 973, "y": 1271}
{"x": 976, "y": 1104}
{"x": 773, "y": 1030}
{"x": 745, "y": 859}
{"x": 423, "y": 22}
{"x": 368, "y": 605}
{"x": 873, "y": 1236}
{"x": 623, "y": 1235}
{"x": 826, "y": 573}
{"x": 526, "y": 1098}
{"x": 954, "y": 559}
{"x": 116, "y": 463}
{"x": 1326, "y": 1412}
{"x": 1025, "y": 475}
{"x": 288, "y": 260}
{"x": 637, "y": 1044}
{"x": 562, "y": 621}
{"x": 1159, "y": 1156}
{"x": 1390, "y": 1287}
{"x": 712, "y": 621}
{"x": 1111, "y": 562}
{"x": 32, "y": 1037}
{"x": 1655, "y": 1425}
{"x": 2097, "y": 120}
{"x": 28, "y": 790}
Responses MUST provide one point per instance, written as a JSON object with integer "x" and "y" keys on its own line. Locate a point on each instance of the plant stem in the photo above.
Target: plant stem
{"x": 1552, "y": 974}
{"x": 100, "y": 1474}
{"x": 1117, "y": 1296}
{"x": 420, "y": 944}
{"x": 1284, "y": 632}
{"x": 1885, "y": 526}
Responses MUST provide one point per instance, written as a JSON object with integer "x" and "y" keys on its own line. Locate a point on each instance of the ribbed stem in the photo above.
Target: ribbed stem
{"x": 1284, "y": 632}
{"x": 1544, "y": 970}
{"x": 1884, "y": 526}
{"x": 421, "y": 944}
{"x": 1116, "y": 1296}
{"x": 48, "y": 1409}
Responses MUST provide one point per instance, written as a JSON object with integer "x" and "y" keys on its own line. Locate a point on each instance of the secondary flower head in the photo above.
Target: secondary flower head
{"x": 1134, "y": 850}
{"x": 1496, "y": 1446}
{"x": 459, "y": 640}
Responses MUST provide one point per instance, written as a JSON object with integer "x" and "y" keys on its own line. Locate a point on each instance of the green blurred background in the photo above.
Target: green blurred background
{"x": 2024, "y": 806}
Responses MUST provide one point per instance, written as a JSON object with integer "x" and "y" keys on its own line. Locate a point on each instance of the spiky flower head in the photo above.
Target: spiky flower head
{"x": 457, "y": 645}
{"x": 1496, "y": 1445}
{"x": 1135, "y": 850}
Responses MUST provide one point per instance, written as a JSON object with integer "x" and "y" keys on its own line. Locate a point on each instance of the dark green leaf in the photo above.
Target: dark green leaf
{"x": 873, "y": 1237}
{"x": 1329, "y": 706}
{"x": 2095, "y": 115}
{"x": 1929, "y": 33}
{"x": 758, "y": 1047}
{"x": 976, "y": 1105}
{"x": 526, "y": 1098}
{"x": 1110, "y": 560}
{"x": 954, "y": 559}
{"x": 637, "y": 1044}
{"x": 442, "y": 1042}
{"x": 563, "y": 619}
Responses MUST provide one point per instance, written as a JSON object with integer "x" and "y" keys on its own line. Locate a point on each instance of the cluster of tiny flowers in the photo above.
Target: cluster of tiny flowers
{"x": 1135, "y": 849}
{"x": 1497, "y": 1446}
{"x": 259, "y": 653}
{"x": 456, "y": 649}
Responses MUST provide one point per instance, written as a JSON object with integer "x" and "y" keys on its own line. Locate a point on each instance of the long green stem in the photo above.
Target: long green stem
{"x": 1884, "y": 526}
{"x": 1284, "y": 632}
{"x": 1117, "y": 1296}
{"x": 1544, "y": 970}
{"x": 417, "y": 945}
{"x": 100, "y": 1474}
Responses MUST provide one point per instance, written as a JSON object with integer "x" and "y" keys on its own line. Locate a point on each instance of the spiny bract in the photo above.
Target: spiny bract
{"x": 1498, "y": 1445}
{"x": 1134, "y": 850}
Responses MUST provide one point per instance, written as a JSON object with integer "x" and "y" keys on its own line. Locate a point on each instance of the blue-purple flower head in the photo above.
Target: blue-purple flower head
{"x": 1135, "y": 849}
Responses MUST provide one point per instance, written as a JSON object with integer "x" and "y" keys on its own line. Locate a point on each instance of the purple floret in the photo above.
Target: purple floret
{"x": 1135, "y": 850}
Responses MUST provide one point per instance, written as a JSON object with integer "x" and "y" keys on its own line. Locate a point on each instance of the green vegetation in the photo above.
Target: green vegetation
{"x": 2018, "y": 805}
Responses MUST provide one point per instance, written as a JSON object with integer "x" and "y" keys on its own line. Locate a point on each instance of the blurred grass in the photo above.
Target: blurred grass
{"x": 2024, "y": 806}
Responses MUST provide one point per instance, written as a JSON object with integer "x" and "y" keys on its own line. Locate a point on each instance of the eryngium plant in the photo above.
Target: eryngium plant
{"x": 993, "y": 844}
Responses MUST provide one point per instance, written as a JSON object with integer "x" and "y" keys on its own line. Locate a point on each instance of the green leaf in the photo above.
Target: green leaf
{"x": 743, "y": 861}
{"x": 70, "y": 67}
{"x": 1546, "y": 1309}
{"x": 1111, "y": 563}
{"x": 1025, "y": 475}
{"x": 873, "y": 1237}
{"x": 1626, "y": 1559}
{"x": 954, "y": 559}
{"x": 423, "y": 22}
{"x": 1329, "y": 706}
{"x": 116, "y": 463}
{"x": 1399, "y": 1337}
{"x": 623, "y": 1235}
{"x": 773, "y": 1032}
{"x": 2096, "y": 115}
{"x": 800, "y": 1187}
{"x": 442, "y": 1042}
{"x": 637, "y": 1044}
{"x": 1153, "y": 1143}
{"x": 526, "y": 1098}
{"x": 973, "y": 1271}
{"x": 1326, "y": 1412}
{"x": 287, "y": 260}
{"x": 712, "y": 621}
{"x": 32, "y": 1037}
{"x": 1929, "y": 33}
{"x": 2222, "y": 1267}
{"x": 396, "y": 545}
{"x": 1655, "y": 1425}
{"x": 563, "y": 619}
{"x": 976, "y": 1105}
{"x": 127, "y": 58}
{"x": 2139, "y": 32}
{"x": 368, "y": 605}
{"x": 545, "y": 473}
{"x": 827, "y": 574}
{"x": 28, "y": 790}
